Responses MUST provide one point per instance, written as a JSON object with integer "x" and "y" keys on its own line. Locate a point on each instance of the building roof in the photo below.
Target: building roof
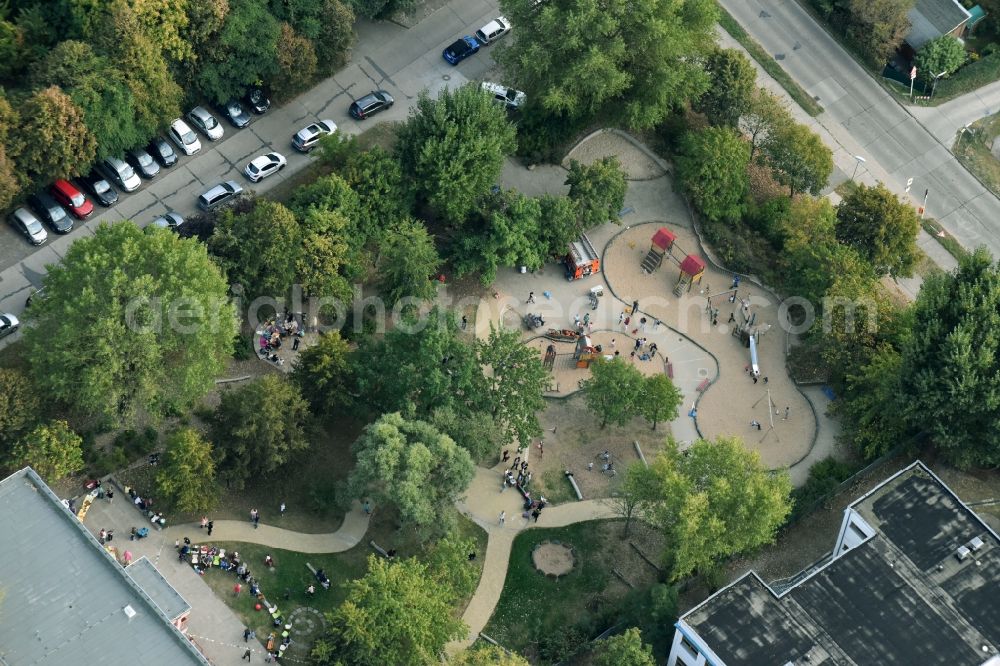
{"x": 930, "y": 19}
{"x": 901, "y": 596}
{"x": 162, "y": 593}
{"x": 64, "y": 600}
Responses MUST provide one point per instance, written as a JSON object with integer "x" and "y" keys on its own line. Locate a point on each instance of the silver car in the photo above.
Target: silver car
{"x": 120, "y": 172}
{"x": 182, "y": 134}
{"x": 219, "y": 194}
{"x": 8, "y": 324}
{"x": 205, "y": 123}
{"x": 26, "y": 222}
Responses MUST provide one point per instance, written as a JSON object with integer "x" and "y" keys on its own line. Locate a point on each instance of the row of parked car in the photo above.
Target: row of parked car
{"x": 65, "y": 200}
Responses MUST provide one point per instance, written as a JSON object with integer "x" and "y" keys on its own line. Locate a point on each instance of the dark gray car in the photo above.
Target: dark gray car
{"x": 49, "y": 210}
{"x": 143, "y": 162}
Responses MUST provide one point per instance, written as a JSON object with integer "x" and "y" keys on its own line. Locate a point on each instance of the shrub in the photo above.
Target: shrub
{"x": 824, "y": 477}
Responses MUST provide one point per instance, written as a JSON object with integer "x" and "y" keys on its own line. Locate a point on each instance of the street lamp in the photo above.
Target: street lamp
{"x": 934, "y": 85}
{"x": 962, "y": 133}
{"x": 860, "y": 161}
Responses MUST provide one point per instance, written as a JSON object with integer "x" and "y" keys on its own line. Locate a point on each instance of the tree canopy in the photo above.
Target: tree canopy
{"x": 504, "y": 233}
{"x": 715, "y": 500}
{"x": 408, "y": 260}
{"x": 940, "y": 56}
{"x": 52, "y": 449}
{"x": 158, "y": 329}
{"x": 659, "y": 399}
{"x": 515, "y": 380}
{"x": 624, "y": 649}
{"x": 258, "y": 427}
{"x": 20, "y": 406}
{"x": 452, "y": 148}
{"x": 323, "y": 373}
{"x": 640, "y": 58}
{"x": 798, "y": 158}
{"x": 883, "y": 229}
{"x": 712, "y": 167}
{"x": 614, "y": 390}
{"x": 187, "y": 475}
{"x": 733, "y": 86}
{"x": 597, "y": 190}
{"x": 950, "y": 367}
{"x": 53, "y": 140}
{"x": 410, "y": 464}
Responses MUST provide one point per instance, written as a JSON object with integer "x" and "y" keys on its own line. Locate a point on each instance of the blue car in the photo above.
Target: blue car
{"x": 461, "y": 49}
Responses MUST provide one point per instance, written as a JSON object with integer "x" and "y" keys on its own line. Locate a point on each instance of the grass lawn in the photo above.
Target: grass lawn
{"x": 292, "y": 574}
{"x": 533, "y": 607}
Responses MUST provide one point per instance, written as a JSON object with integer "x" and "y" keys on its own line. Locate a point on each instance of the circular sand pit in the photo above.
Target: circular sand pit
{"x": 553, "y": 559}
{"x": 636, "y": 164}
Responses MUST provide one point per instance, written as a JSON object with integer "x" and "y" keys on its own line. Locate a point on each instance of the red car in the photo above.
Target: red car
{"x": 70, "y": 197}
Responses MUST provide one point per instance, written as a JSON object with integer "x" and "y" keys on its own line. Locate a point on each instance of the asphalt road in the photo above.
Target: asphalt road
{"x": 400, "y": 60}
{"x": 881, "y": 128}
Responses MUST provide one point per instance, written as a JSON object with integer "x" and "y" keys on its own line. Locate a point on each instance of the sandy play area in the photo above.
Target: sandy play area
{"x": 636, "y": 164}
{"x": 553, "y": 559}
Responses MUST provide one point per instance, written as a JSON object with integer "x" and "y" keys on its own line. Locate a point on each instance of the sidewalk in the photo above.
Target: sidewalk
{"x": 946, "y": 120}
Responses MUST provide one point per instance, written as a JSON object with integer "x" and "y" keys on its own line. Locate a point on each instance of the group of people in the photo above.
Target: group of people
{"x": 518, "y": 476}
{"x": 274, "y": 331}
{"x": 145, "y": 505}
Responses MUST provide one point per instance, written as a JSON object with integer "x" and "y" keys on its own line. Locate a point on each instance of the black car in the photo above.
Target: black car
{"x": 235, "y": 113}
{"x": 99, "y": 188}
{"x": 258, "y": 100}
{"x": 162, "y": 151}
{"x": 49, "y": 210}
{"x": 143, "y": 162}
{"x": 370, "y": 104}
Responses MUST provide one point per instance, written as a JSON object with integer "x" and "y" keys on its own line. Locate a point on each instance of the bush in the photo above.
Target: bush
{"x": 542, "y": 138}
{"x": 243, "y": 346}
{"x": 560, "y": 646}
{"x": 824, "y": 477}
{"x": 133, "y": 444}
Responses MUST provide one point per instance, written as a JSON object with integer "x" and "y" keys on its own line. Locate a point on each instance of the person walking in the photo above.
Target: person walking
{"x": 506, "y": 455}
{"x": 253, "y": 515}
{"x": 531, "y": 297}
{"x": 465, "y": 322}
{"x": 503, "y": 517}
{"x": 246, "y": 635}
{"x": 211, "y": 524}
{"x": 535, "y": 514}
{"x": 281, "y": 509}
{"x": 787, "y": 409}
{"x": 541, "y": 448}
{"x": 204, "y": 522}
{"x": 367, "y": 508}
{"x": 642, "y": 324}
{"x": 246, "y": 655}
{"x": 621, "y": 318}
{"x": 237, "y": 589}
{"x": 110, "y": 495}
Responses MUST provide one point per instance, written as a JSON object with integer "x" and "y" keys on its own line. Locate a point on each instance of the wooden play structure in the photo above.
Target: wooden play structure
{"x": 585, "y": 351}
{"x": 549, "y": 360}
{"x": 664, "y": 244}
{"x": 582, "y": 259}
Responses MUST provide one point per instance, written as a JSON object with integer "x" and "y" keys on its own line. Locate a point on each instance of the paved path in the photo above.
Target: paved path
{"x": 946, "y": 120}
{"x": 869, "y": 122}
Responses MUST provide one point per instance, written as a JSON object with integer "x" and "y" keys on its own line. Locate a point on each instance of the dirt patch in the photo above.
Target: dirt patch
{"x": 636, "y": 164}
{"x": 553, "y": 559}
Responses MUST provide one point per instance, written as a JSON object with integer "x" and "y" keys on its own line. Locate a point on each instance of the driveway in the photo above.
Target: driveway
{"x": 858, "y": 108}
{"x": 400, "y": 60}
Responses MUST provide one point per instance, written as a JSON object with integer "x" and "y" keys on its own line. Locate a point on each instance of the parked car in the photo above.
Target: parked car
{"x": 235, "y": 113}
{"x": 307, "y": 137}
{"x": 162, "y": 151}
{"x": 510, "y": 98}
{"x": 370, "y": 104}
{"x": 493, "y": 31}
{"x": 258, "y": 100}
{"x": 219, "y": 194}
{"x": 66, "y": 194}
{"x": 25, "y": 222}
{"x": 181, "y": 134}
{"x": 169, "y": 220}
{"x": 8, "y": 324}
{"x": 49, "y": 210}
{"x": 263, "y": 166}
{"x": 120, "y": 173}
{"x": 205, "y": 123}
{"x": 99, "y": 188}
{"x": 143, "y": 162}
{"x": 461, "y": 49}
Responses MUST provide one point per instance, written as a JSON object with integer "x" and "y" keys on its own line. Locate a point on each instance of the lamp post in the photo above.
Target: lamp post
{"x": 860, "y": 161}
{"x": 962, "y": 133}
{"x": 934, "y": 85}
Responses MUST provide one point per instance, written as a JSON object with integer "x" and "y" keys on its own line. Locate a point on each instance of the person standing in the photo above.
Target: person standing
{"x": 281, "y": 509}
{"x": 787, "y": 409}
{"x": 110, "y": 495}
{"x": 237, "y": 589}
{"x": 246, "y": 634}
{"x": 211, "y": 524}
{"x": 535, "y": 514}
{"x": 204, "y": 522}
{"x": 503, "y": 517}
{"x": 367, "y": 508}
{"x": 506, "y": 455}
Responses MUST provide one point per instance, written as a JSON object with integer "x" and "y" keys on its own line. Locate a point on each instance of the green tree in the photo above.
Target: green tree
{"x": 660, "y": 399}
{"x": 506, "y": 233}
{"x": 712, "y": 167}
{"x": 450, "y": 567}
{"x": 950, "y": 367}
{"x": 515, "y": 380}
{"x": 411, "y": 465}
{"x": 328, "y": 193}
{"x": 53, "y": 140}
{"x": 383, "y": 195}
{"x": 486, "y": 655}
{"x": 733, "y": 85}
{"x": 420, "y": 366}
{"x": 297, "y": 63}
{"x": 942, "y": 55}
{"x": 325, "y": 255}
{"x": 258, "y": 427}
{"x": 878, "y": 27}
{"x": 453, "y": 148}
{"x": 258, "y": 249}
{"x": 407, "y": 262}
{"x": 334, "y": 35}
{"x": 764, "y": 113}
{"x": 323, "y": 373}
{"x": 204, "y": 21}
{"x": 881, "y": 228}
{"x": 473, "y": 430}
{"x": 244, "y": 52}
{"x": 625, "y": 649}
{"x": 633, "y": 495}
{"x": 614, "y": 391}
{"x": 366, "y": 629}
{"x": 381, "y": 9}
{"x": 162, "y": 328}
{"x": 597, "y": 190}
{"x": 9, "y": 185}
{"x": 716, "y": 500}
{"x": 641, "y": 58}
{"x": 873, "y": 417}
{"x": 52, "y": 449}
{"x": 798, "y": 158}
{"x": 20, "y": 407}
{"x": 561, "y": 225}
{"x": 187, "y": 477}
